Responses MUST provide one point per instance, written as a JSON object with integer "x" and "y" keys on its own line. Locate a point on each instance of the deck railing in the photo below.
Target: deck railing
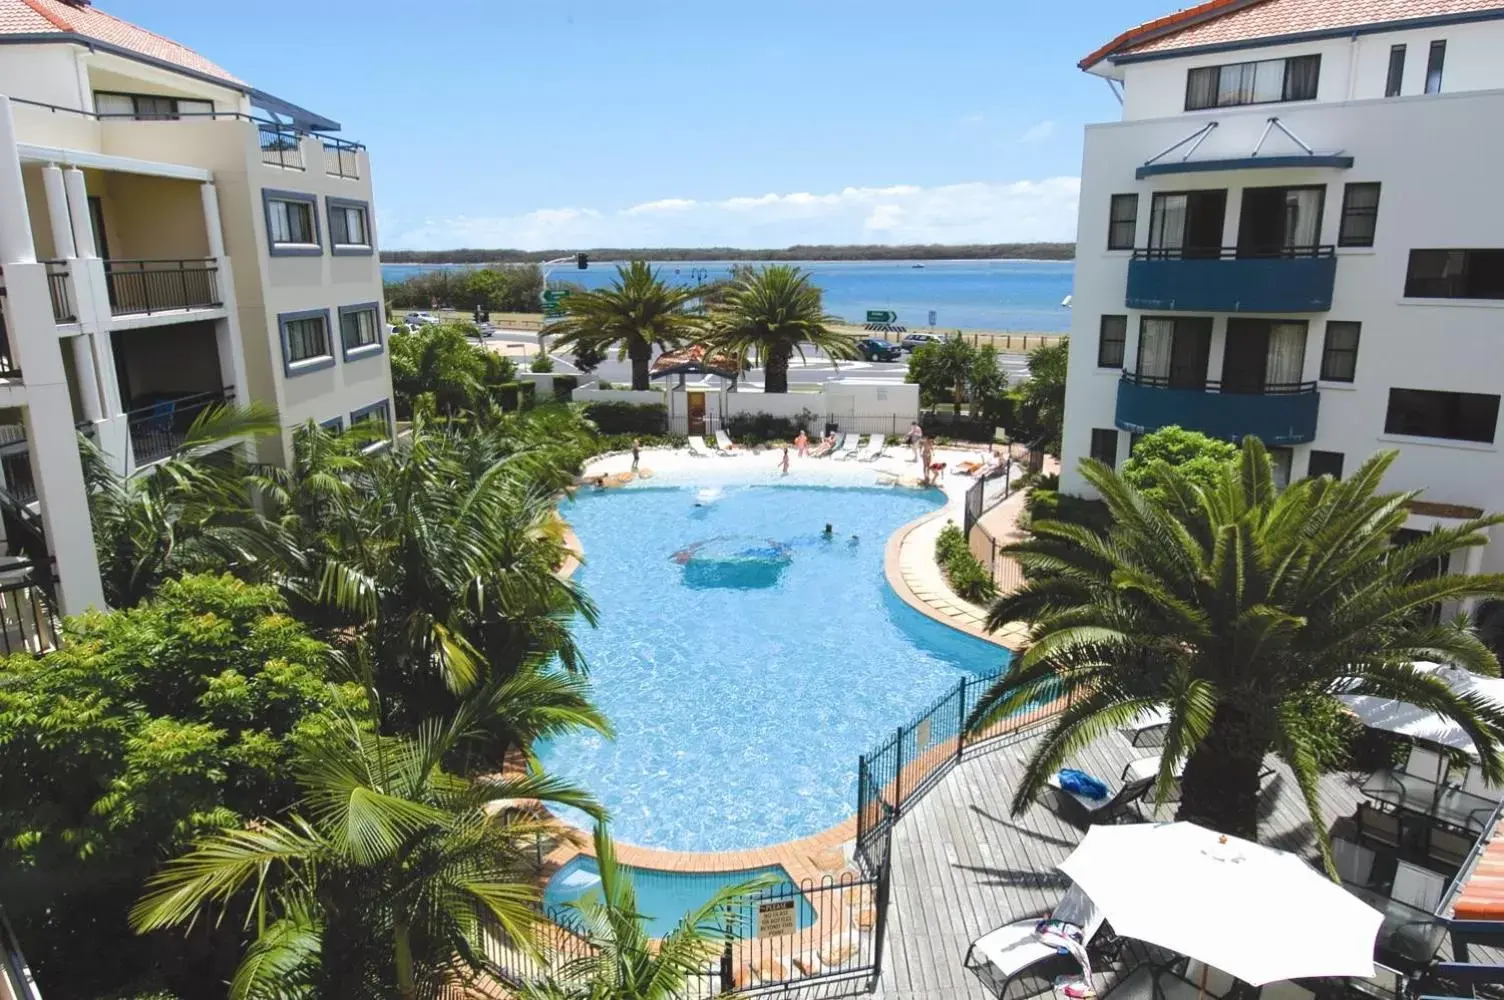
{"x": 57, "y": 286}
{"x": 341, "y": 157}
{"x": 151, "y": 286}
{"x": 28, "y": 620}
{"x": 281, "y": 146}
{"x": 160, "y": 429}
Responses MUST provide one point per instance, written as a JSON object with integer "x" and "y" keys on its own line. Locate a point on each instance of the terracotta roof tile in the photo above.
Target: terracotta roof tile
{"x": 18, "y": 17}
{"x": 1219, "y": 22}
{"x": 1482, "y": 897}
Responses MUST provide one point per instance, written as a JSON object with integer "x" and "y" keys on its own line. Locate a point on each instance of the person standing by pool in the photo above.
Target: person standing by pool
{"x": 802, "y": 443}
{"x": 786, "y": 458}
{"x": 636, "y": 452}
{"x": 926, "y": 457}
{"x": 915, "y": 435}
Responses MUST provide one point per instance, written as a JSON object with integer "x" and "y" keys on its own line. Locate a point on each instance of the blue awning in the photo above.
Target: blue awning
{"x": 1332, "y": 161}
{"x": 301, "y": 117}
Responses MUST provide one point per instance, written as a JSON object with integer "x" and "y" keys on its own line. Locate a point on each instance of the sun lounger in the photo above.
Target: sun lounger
{"x": 698, "y": 448}
{"x": 1083, "y": 812}
{"x": 875, "y": 447}
{"x": 1012, "y": 962}
{"x": 857, "y": 444}
{"x": 821, "y": 451}
{"x": 723, "y": 442}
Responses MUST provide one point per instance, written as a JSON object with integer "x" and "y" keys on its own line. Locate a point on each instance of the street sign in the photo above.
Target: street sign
{"x": 881, "y": 316}
{"x": 932, "y": 317}
{"x": 552, "y": 297}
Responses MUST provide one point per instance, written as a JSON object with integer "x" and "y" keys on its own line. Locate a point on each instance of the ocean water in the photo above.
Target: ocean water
{"x": 744, "y": 660}
{"x": 1021, "y": 295}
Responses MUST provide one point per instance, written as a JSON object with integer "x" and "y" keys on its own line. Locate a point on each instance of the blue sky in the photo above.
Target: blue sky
{"x": 500, "y": 123}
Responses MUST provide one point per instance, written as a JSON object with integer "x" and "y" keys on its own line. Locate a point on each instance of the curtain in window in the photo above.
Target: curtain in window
{"x": 1287, "y": 354}
{"x": 1269, "y": 80}
{"x": 1167, "y": 222}
{"x": 195, "y": 107}
{"x": 1235, "y": 84}
{"x": 1155, "y": 339}
{"x": 1201, "y": 88}
{"x": 281, "y": 229}
{"x": 1301, "y": 74}
{"x": 114, "y": 104}
{"x": 1302, "y": 217}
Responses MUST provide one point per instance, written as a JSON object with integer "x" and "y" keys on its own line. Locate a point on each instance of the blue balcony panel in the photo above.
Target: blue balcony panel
{"x": 1232, "y": 284}
{"x": 1276, "y": 419}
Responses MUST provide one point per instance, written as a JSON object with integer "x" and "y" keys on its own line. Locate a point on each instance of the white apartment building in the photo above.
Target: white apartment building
{"x": 1296, "y": 232}
{"x": 170, "y": 238}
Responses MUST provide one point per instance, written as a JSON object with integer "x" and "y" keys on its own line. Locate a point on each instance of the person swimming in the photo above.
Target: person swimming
{"x": 853, "y": 540}
{"x": 828, "y": 533}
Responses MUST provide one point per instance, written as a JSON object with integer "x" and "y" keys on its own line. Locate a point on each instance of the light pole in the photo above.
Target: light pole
{"x": 578, "y": 259}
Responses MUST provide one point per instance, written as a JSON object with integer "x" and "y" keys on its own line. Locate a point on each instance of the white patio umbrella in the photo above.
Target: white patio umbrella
{"x": 1416, "y": 723}
{"x": 1259, "y": 914}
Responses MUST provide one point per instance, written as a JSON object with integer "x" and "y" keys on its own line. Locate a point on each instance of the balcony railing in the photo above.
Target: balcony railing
{"x": 151, "y": 286}
{"x": 57, "y": 286}
{"x": 9, "y": 369}
{"x": 341, "y": 157}
{"x": 159, "y": 429}
{"x": 1278, "y": 414}
{"x": 281, "y": 146}
{"x": 1229, "y": 279}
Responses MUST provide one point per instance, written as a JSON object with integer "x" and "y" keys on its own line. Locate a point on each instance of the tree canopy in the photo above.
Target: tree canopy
{"x": 1193, "y": 457}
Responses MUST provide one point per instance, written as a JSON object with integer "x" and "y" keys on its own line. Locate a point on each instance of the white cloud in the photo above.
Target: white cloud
{"x": 1038, "y": 132}
{"x": 975, "y": 212}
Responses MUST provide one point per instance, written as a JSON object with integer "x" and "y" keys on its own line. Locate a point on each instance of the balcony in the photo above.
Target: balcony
{"x": 1281, "y": 415}
{"x": 342, "y": 157}
{"x": 159, "y": 428}
{"x": 139, "y": 287}
{"x": 57, "y": 286}
{"x": 1219, "y": 279}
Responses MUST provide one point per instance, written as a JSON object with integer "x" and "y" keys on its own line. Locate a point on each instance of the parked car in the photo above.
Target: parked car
{"x": 417, "y": 319}
{"x": 914, "y": 340}
{"x": 872, "y": 349}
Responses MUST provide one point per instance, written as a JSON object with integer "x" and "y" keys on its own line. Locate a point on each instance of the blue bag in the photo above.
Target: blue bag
{"x": 1083, "y": 784}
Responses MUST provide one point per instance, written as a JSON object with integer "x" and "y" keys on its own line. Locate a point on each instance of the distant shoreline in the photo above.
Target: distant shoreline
{"x": 927, "y": 252}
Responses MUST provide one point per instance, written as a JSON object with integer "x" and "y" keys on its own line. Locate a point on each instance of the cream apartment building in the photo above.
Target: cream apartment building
{"x": 1295, "y": 232}
{"x": 170, "y": 238}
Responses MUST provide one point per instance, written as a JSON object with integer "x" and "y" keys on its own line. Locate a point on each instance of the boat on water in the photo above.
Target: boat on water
{"x": 1065, "y": 303}
{"x": 916, "y": 265}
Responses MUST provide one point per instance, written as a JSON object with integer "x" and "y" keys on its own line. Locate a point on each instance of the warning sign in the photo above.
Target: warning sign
{"x": 775, "y": 918}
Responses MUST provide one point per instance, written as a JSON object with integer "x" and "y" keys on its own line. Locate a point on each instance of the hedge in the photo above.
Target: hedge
{"x": 967, "y": 576}
{"x": 959, "y": 428}
{"x": 564, "y": 387}
{"x": 759, "y": 428}
{"x": 516, "y": 395}
{"x": 628, "y": 418}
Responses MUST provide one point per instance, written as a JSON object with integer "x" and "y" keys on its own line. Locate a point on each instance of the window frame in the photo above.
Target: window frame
{"x": 1458, "y": 287}
{"x": 1113, "y": 222}
{"x": 314, "y": 362}
{"x": 1311, "y": 472}
{"x": 365, "y": 249}
{"x": 1349, "y": 211}
{"x": 1394, "y": 80}
{"x": 1102, "y": 340}
{"x": 1328, "y": 351}
{"x": 376, "y": 346}
{"x": 1389, "y": 406}
{"x": 276, "y": 249}
{"x": 1092, "y": 448}
{"x": 1216, "y": 87}
{"x": 365, "y": 413}
{"x": 177, "y": 113}
{"x": 335, "y": 424}
{"x": 1436, "y": 59}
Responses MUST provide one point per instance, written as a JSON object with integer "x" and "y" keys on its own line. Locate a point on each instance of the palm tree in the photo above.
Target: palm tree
{"x": 637, "y": 312}
{"x": 385, "y": 880}
{"x": 189, "y": 513}
{"x": 770, "y": 313}
{"x": 1236, "y": 607}
{"x": 623, "y": 962}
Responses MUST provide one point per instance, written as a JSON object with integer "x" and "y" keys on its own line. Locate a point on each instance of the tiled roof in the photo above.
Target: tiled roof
{"x": 1220, "y": 22}
{"x": 43, "y": 17}
{"x": 1482, "y": 898}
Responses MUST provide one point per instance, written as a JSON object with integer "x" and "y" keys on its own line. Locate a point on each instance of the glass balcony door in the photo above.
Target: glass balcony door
{"x": 1280, "y": 221}
{"x": 1263, "y": 356}
{"x": 1187, "y": 224}
{"x": 1173, "y": 352}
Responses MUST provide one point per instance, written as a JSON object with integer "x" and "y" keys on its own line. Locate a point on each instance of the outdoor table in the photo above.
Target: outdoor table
{"x": 1409, "y": 934}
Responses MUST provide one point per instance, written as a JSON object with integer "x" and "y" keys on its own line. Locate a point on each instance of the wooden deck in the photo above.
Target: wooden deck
{"x": 963, "y": 865}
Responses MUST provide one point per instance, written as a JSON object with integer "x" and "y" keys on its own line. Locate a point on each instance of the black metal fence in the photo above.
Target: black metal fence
{"x": 281, "y": 145}
{"x": 57, "y": 286}
{"x": 824, "y": 934}
{"x": 29, "y": 621}
{"x": 148, "y": 286}
{"x": 341, "y": 157}
{"x": 159, "y": 430}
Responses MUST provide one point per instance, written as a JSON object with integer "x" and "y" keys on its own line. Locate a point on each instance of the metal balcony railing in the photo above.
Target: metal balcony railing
{"x": 341, "y": 158}
{"x": 57, "y": 286}
{"x": 149, "y": 286}
{"x": 9, "y": 368}
{"x": 281, "y": 146}
{"x": 159, "y": 429}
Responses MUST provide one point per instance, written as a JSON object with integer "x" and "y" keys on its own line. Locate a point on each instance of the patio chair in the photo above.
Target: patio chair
{"x": 698, "y": 448}
{"x": 1148, "y": 767}
{"x": 1013, "y": 963}
{"x": 1426, "y": 763}
{"x": 1449, "y": 848}
{"x": 1473, "y": 781}
{"x": 1354, "y": 862}
{"x": 1376, "y": 826}
{"x": 875, "y": 448}
{"x": 723, "y": 442}
{"x": 1083, "y": 812}
{"x": 858, "y": 444}
{"x": 844, "y": 442}
{"x": 1156, "y": 982}
{"x": 1149, "y": 727}
{"x": 1418, "y": 887}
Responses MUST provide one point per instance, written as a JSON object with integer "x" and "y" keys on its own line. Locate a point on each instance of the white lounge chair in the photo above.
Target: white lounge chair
{"x": 855, "y": 449}
{"x": 1011, "y": 961}
{"x": 723, "y": 441}
{"x": 847, "y": 442}
{"x": 698, "y": 448}
{"x": 875, "y": 448}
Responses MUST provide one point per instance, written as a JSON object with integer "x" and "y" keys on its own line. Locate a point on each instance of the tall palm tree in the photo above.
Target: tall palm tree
{"x": 636, "y": 313}
{"x": 383, "y": 882}
{"x": 770, "y": 313}
{"x": 623, "y": 962}
{"x": 1235, "y": 607}
{"x": 189, "y": 513}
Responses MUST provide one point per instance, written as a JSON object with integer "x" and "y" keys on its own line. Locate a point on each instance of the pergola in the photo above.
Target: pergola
{"x": 695, "y": 360}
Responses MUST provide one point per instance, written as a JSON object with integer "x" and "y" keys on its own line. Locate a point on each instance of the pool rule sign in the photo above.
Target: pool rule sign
{"x": 775, "y": 918}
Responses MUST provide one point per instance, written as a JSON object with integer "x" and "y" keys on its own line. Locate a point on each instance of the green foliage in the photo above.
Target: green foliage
{"x": 442, "y": 366}
{"x": 588, "y": 357}
{"x": 541, "y": 363}
{"x": 1041, "y": 397}
{"x": 147, "y": 728}
{"x": 628, "y": 418}
{"x": 760, "y": 428}
{"x": 771, "y": 312}
{"x": 1194, "y": 457}
{"x": 1243, "y": 609}
{"x": 514, "y": 396}
{"x": 495, "y": 289}
{"x": 1325, "y": 728}
{"x": 637, "y": 313}
{"x": 966, "y": 574}
{"x": 564, "y": 387}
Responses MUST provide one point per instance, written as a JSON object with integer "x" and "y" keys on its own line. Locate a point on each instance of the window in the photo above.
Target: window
{"x": 1263, "y": 356}
{"x": 147, "y": 107}
{"x": 1455, "y": 274}
{"x": 1458, "y": 416}
{"x": 305, "y": 341}
{"x": 1187, "y": 223}
{"x": 1360, "y": 215}
{"x": 376, "y": 412}
{"x": 1173, "y": 351}
{"x": 359, "y": 329}
{"x": 1110, "y": 341}
{"x": 1263, "y": 82}
{"x": 1281, "y": 221}
{"x": 1396, "y": 71}
{"x": 334, "y": 424}
{"x": 1434, "y": 62}
{"x": 1325, "y": 463}
{"x": 348, "y": 225}
{"x": 1339, "y": 358}
{"x": 292, "y": 226}
{"x": 1124, "y": 218}
{"x": 1104, "y": 445}
{"x": 1283, "y": 460}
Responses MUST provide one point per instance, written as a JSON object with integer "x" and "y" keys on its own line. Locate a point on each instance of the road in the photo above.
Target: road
{"x": 813, "y": 368}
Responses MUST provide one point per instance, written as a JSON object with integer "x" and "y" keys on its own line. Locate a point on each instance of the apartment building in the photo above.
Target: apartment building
{"x": 1295, "y": 231}
{"x": 171, "y": 237}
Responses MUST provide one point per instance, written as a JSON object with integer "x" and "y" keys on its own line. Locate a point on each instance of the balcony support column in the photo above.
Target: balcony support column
{"x": 88, "y": 382}
{"x": 57, "y": 213}
{"x": 78, "y": 208}
{"x": 212, "y": 226}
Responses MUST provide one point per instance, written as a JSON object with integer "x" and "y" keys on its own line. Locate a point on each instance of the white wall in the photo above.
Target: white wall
{"x": 638, "y": 397}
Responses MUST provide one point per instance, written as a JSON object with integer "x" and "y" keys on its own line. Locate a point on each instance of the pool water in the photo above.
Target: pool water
{"x": 745, "y": 660}
{"x": 664, "y": 897}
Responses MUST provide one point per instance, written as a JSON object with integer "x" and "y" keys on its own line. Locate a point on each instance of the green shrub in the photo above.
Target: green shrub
{"x": 542, "y": 363}
{"x": 628, "y": 418}
{"x": 606, "y": 443}
{"x": 1328, "y": 730}
{"x": 1052, "y": 505}
{"x": 564, "y": 387}
{"x": 760, "y": 428}
{"x": 965, "y": 573}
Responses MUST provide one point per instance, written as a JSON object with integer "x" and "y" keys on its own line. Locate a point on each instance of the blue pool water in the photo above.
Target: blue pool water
{"x": 664, "y": 897}
{"x": 744, "y": 661}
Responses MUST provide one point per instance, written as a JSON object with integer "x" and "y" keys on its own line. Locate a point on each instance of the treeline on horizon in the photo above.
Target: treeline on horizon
{"x": 926, "y": 251}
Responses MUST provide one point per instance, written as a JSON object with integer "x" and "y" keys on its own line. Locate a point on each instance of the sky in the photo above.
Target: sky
{"x": 584, "y": 123}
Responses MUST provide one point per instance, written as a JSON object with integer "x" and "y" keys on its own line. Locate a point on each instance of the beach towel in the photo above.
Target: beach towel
{"x": 1083, "y": 784}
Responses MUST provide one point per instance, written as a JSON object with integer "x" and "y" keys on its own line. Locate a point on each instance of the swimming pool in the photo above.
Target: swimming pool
{"x": 746, "y": 661}
{"x": 664, "y": 897}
